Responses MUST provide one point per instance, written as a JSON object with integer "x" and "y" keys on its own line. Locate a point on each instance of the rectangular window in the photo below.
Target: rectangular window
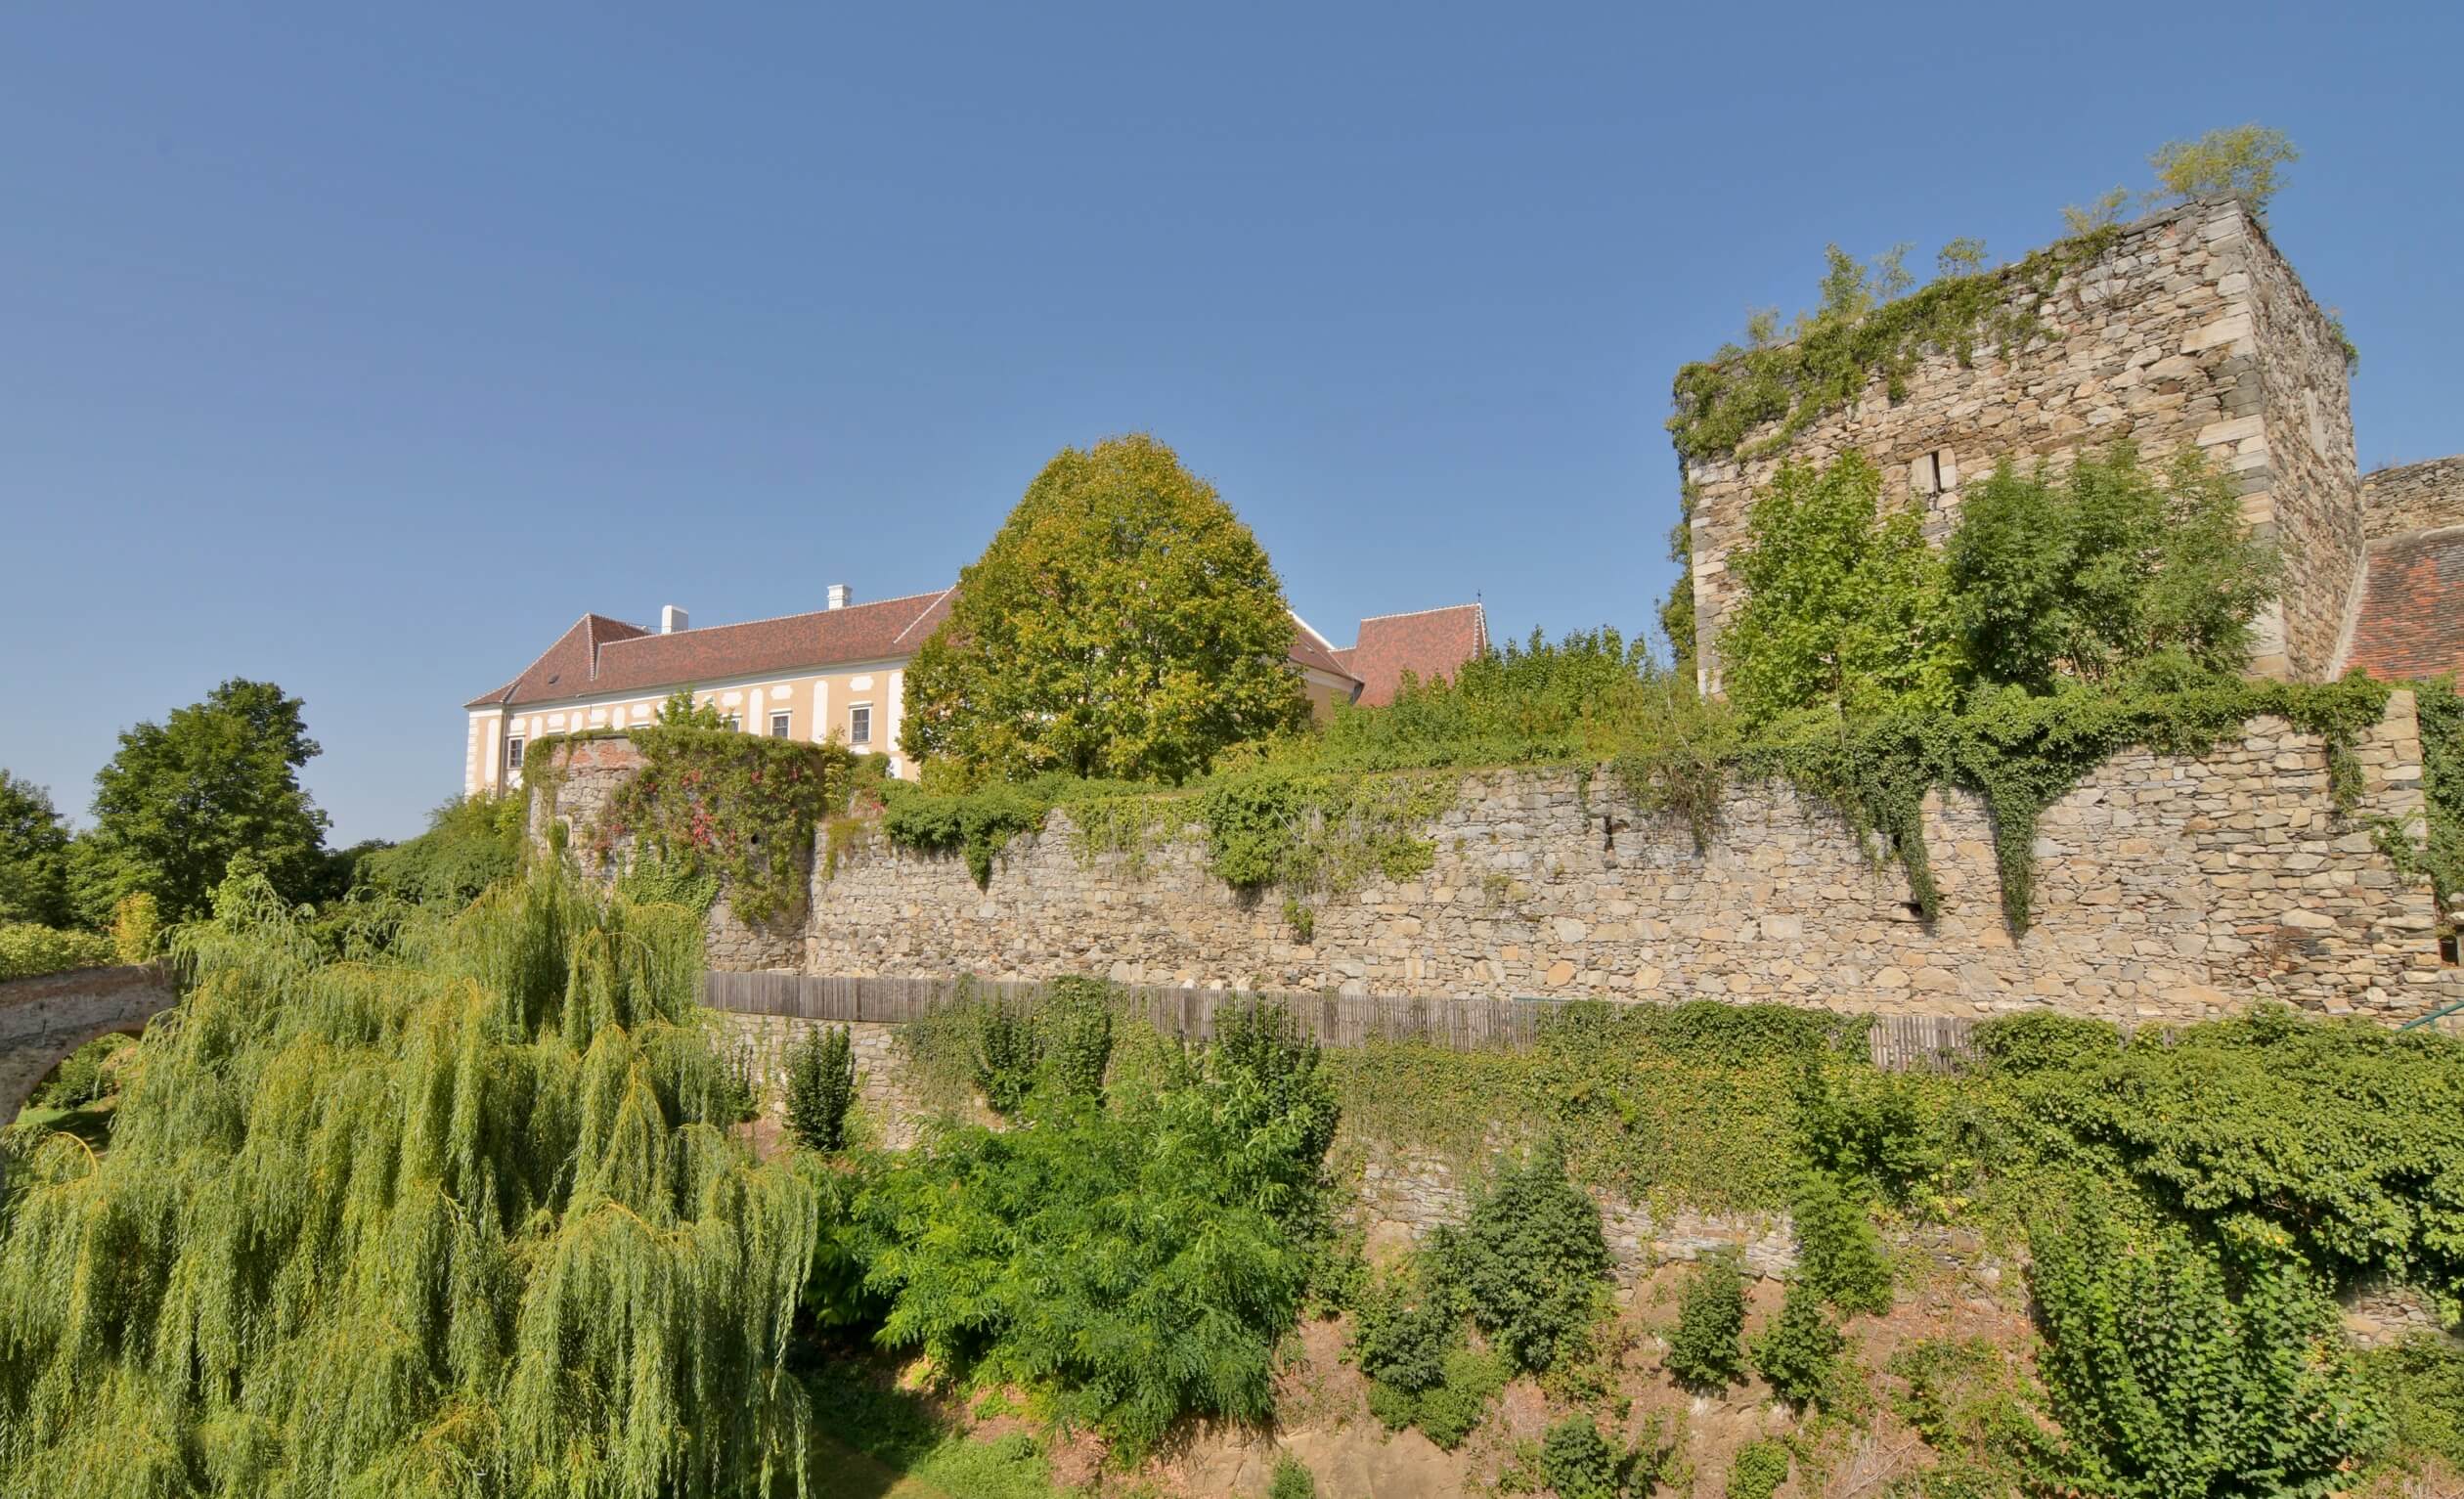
{"x": 778, "y": 725}
{"x": 733, "y": 723}
{"x": 859, "y": 724}
{"x": 513, "y": 752}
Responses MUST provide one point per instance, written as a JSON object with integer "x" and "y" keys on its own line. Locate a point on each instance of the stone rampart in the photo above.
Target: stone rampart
{"x": 2416, "y": 497}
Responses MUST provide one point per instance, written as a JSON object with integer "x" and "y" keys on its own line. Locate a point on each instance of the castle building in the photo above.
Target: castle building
{"x": 838, "y": 671}
{"x": 2187, "y": 329}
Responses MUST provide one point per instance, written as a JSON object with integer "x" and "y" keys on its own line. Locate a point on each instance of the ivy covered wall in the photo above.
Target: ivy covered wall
{"x": 2169, "y": 887}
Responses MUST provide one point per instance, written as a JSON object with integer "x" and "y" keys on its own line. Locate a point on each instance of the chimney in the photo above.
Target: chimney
{"x": 839, "y": 597}
{"x": 672, "y": 619}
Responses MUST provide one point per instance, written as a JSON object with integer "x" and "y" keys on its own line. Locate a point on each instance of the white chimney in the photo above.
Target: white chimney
{"x": 839, "y": 597}
{"x": 672, "y": 619}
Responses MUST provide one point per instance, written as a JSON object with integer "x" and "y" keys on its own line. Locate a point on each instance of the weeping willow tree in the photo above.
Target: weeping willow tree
{"x": 465, "y": 1222}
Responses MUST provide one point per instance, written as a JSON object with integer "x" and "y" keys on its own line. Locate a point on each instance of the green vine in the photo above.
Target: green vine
{"x": 1836, "y": 352}
{"x": 742, "y": 806}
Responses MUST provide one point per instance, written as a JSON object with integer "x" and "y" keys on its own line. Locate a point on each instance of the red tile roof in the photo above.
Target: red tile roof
{"x": 2411, "y": 621}
{"x": 587, "y": 661}
{"x": 601, "y": 655}
{"x": 1430, "y": 644}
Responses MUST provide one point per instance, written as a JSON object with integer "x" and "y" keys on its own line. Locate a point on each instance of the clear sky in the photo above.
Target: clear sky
{"x": 364, "y": 352}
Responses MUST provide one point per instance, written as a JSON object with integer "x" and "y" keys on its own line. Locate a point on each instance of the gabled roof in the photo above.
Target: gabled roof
{"x": 2411, "y": 621}
{"x": 601, "y": 655}
{"x": 1430, "y": 643}
{"x": 586, "y": 661}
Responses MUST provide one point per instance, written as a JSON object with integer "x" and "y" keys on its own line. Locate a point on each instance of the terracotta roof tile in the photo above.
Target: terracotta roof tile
{"x": 2411, "y": 621}
{"x": 1430, "y": 644}
{"x": 602, "y": 655}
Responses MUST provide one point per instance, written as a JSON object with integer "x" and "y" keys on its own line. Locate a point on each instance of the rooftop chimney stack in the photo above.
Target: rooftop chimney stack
{"x": 839, "y": 597}
{"x": 672, "y": 619}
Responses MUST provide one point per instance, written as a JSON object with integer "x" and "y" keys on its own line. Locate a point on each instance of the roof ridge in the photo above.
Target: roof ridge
{"x": 1443, "y": 608}
{"x": 739, "y": 624}
{"x": 927, "y": 609}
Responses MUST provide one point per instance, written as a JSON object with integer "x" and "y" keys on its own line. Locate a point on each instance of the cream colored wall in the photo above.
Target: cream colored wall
{"x": 818, "y": 706}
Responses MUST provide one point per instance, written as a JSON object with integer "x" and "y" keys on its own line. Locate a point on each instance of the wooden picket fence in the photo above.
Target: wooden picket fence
{"x": 1899, "y": 1042}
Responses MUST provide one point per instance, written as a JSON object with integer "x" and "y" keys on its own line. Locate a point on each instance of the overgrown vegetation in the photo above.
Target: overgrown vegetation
{"x": 463, "y": 1222}
{"x": 1702, "y": 1350}
{"x": 27, "y": 949}
{"x": 820, "y": 1089}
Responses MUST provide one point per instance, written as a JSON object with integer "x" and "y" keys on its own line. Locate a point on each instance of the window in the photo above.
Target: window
{"x": 859, "y": 724}
{"x": 778, "y": 725}
{"x": 513, "y": 752}
{"x": 733, "y": 723}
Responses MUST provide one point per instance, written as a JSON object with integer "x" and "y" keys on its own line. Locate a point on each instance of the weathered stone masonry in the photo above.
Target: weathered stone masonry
{"x": 2168, "y": 888}
{"x": 2189, "y": 331}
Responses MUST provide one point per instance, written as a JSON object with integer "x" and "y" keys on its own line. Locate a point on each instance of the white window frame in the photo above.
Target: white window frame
{"x": 732, "y": 723}
{"x": 856, "y": 740}
{"x": 513, "y": 752}
{"x": 783, "y": 725}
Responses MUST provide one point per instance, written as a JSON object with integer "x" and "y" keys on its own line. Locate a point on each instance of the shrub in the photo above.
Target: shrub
{"x": 1759, "y": 1470}
{"x": 471, "y": 844}
{"x": 1450, "y": 1411}
{"x": 137, "y": 929}
{"x": 1531, "y": 1260}
{"x": 27, "y": 949}
{"x": 1577, "y": 1461}
{"x": 1077, "y": 1026}
{"x": 85, "y": 1076}
{"x": 1006, "y": 1054}
{"x": 1406, "y": 1324}
{"x": 1292, "y": 1479}
{"x": 1124, "y": 1264}
{"x": 1702, "y": 1352}
{"x": 1799, "y": 1352}
{"x": 820, "y": 1087}
{"x": 1839, "y": 1256}
{"x": 2423, "y": 1378}
{"x": 2171, "y": 1376}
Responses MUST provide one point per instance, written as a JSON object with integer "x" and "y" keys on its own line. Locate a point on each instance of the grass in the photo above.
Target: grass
{"x": 877, "y": 1442}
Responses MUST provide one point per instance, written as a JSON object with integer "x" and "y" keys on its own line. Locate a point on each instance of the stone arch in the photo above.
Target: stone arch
{"x": 45, "y": 1017}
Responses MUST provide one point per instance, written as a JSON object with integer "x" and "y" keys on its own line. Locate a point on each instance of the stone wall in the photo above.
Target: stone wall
{"x": 2417, "y": 497}
{"x": 2168, "y": 888}
{"x": 2189, "y": 331}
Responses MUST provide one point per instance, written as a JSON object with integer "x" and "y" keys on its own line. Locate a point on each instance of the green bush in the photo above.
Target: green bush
{"x": 27, "y": 949}
{"x": 1406, "y": 1324}
{"x": 1292, "y": 1479}
{"x": 1077, "y": 1026}
{"x": 1007, "y": 1053}
{"x": 1759, "y": 1470}
{"x": 1577, "y": 1461}
{"x": 1799, "y": 1352}
{"x": 2423, "y": 1380}
{"x": 1449, "y": 1411}
{"x": 2173, "y": 1375}
{"x": 1839, "y": 1256}
{"x": 820, "y": 1087}
{"x": 1125, "y": 1263}
{"x": 85, "y": 1076}
{"x": 1530, "y": 1259}
{"x": 471, "y": 844}
{"x": 1703, "y": 1350}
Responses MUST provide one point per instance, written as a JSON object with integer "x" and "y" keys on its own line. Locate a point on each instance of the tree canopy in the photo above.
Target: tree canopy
{"x": 182, "y": 799}
{"x": 33, "y": 854}
{"x": 1844, "y": 606}
{"x": 1122, "y": 623}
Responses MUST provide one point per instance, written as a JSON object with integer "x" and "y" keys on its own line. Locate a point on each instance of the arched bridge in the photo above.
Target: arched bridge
{"x": 45, "y": 1017}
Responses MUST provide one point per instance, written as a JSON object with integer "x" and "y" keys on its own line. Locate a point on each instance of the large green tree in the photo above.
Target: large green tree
{"x": 182, "y": 799}
{"x": 33, "y": 854}
{"x": 1845, "y": 606}
{"x": 1123, "y": 622}
{"x": 2090, "y": 572}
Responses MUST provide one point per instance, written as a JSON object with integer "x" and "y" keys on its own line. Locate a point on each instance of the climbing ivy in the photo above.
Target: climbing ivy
{"x": 1837, "y": 350}
{"x": 742, "y": 806}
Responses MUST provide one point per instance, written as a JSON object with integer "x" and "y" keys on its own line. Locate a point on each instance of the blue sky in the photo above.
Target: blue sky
{"x": 364, "y": 352}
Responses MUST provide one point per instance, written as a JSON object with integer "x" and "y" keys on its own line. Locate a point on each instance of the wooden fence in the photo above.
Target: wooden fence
{"x": 1899, "y": 1042}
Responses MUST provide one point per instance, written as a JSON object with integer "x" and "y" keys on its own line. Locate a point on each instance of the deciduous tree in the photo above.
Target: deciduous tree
{"x": 219, "y": 779}
{"x": 33, "y": 854}
{"x": 1122, "y": 623}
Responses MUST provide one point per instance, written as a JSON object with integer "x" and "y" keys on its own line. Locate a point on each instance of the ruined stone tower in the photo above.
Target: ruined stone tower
{"x": 2185, "y": 330}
